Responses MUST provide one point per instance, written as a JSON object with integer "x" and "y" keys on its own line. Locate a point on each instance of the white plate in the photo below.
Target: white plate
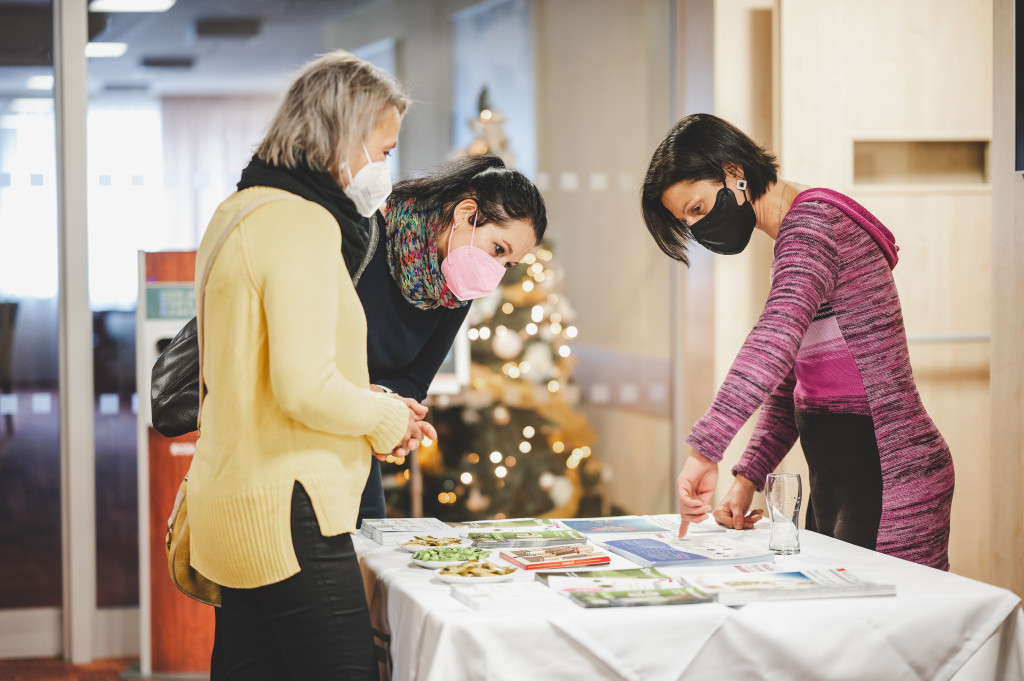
{"x": 436, "y": 564}
{"x": 405, "y": 546}
{"x": 463, "y": 579}
{"x": 460, "y": 579}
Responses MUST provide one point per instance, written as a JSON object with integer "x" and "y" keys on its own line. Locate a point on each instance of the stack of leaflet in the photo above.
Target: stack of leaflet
{"x": 622, "y": 588}
{"x": 560, "y": 556}
{"x": 520, "y": 539}
{"x": 519, "y": 533}
{"x": 738, "y": 587}
{"x": 389, "y": 531}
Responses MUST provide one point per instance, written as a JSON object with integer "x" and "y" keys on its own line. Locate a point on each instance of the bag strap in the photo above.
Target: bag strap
{"x": 201, "y": 291}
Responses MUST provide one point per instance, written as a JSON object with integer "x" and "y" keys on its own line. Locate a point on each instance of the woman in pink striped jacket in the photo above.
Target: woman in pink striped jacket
{"x": 826, "y": 362}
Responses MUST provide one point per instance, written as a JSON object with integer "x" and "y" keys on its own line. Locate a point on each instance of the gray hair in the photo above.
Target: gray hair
{"x": 331, "y": 107}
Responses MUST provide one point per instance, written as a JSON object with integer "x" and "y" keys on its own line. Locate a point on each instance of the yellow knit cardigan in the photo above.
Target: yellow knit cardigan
{"x": 284, "y": 360}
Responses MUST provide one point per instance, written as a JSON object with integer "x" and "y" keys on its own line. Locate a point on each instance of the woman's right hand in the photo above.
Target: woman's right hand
{"x": 410, "y": 441}
{"x": 416, "y": 430}
{"x": 732, "y": 510}
{"x": 694, "y": 487}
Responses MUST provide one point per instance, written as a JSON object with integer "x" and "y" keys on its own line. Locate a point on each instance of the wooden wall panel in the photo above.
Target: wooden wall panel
{"x": 944, "y": 281}
{"x": 873, "y": 69}
{"x": 1006, "y": 501}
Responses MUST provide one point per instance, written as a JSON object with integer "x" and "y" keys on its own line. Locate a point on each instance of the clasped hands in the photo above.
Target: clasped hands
{"x": 694, "y": 487}
{"x": 416, "y": 430}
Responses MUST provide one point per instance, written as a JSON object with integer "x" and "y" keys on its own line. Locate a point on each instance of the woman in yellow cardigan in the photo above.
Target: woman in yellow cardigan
{"x": 289, "y": 422}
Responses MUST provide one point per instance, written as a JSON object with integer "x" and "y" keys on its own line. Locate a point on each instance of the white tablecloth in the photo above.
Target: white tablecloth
{"x": 939, "y": 626}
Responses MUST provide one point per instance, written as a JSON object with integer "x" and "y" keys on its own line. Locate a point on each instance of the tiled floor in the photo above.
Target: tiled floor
{"x": 58, "y": 670}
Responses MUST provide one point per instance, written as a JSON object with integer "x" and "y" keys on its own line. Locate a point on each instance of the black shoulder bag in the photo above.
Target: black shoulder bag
{"x": 174, "y": 390}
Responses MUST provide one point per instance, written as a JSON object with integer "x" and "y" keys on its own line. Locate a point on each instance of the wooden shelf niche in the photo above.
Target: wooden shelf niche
{"x": 912, "y": 163}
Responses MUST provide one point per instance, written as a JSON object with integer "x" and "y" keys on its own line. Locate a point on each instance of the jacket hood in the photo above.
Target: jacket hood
{"x": 859, "y": 214}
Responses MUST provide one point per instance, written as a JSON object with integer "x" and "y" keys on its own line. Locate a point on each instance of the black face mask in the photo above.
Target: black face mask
{"x": 727, "y": 227}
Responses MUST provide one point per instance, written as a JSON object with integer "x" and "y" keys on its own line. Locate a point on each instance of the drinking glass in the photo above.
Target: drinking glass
{"x": 783, "y": 494}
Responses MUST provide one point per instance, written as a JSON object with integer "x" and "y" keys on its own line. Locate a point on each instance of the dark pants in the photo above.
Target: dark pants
{"x": 372, "y": 503}
{"x": 313, "y": 625}
{"x": 845, "y": 499}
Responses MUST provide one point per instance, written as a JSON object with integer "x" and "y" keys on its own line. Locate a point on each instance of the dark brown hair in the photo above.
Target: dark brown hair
{"x": 501, "y": 193}
{"x": 699, "y": 147}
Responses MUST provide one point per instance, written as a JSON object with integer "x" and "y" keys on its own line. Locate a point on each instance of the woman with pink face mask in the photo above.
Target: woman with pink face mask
{"x": 441, "y": 240}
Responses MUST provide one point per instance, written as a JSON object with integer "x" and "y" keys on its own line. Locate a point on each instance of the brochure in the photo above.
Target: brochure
{"x": 670, "y": 522}
{"x": 696, "y": 550}
{"x": 666, "y": 523}
{"x": 621, "y": 588}
{"x": 559, "y": 556}
{"x": 596, "y": 580}
{"x": 614, "y": 599}
{"x": 617, "y": 524}
{"x": 507, "y": 525}
{"x": 390, "y": 531}
{"x": 526, "y": 539}
{"x": 734, "y": 587}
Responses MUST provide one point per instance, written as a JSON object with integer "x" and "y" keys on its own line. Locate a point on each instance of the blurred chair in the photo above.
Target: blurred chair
{"x": 114, "y": 352}
{"x": 8, "y": 311}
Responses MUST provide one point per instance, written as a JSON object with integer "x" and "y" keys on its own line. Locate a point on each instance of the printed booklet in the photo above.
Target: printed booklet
{"x": 616, "y": 599}
{"x": 507, "y": 525}
{"x": 524, "y": 539}
{"x": 560, "y": 556}
{"x": 692, "y": 550}
{"x": 622, "y": 588}
{"x": 734, "y": 587}
{"x": 635, "y": 524}
{"x": 390, "y": 531}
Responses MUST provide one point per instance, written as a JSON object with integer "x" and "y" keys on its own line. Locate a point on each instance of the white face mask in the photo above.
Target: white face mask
{"x": 370, "y": 187}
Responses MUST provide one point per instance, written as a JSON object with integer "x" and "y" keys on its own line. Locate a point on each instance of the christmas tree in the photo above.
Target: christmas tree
{"x": 488, "y": 129}
{"x": 511, "y": 444}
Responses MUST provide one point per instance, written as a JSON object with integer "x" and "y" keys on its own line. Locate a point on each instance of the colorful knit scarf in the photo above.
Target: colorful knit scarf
{"x": 411, "y": 235}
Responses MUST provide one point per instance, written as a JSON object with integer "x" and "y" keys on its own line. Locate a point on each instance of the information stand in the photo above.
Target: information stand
{"x": 176, "y": 632}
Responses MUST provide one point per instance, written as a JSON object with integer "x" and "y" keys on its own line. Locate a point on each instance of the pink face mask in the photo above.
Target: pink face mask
{"x": 469, "y": 272}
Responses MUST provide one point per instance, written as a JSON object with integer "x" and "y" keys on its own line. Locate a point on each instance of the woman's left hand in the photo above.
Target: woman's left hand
{"x": 732, "y": 511}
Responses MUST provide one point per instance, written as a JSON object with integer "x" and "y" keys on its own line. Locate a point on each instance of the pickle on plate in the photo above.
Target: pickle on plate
{"x": 476, "y": 568}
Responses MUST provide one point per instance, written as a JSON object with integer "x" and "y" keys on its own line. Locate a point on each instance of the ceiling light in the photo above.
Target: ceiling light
{"x": 39, "y": 83}
{"x": 105, "y": 49}
{"x": 26, "y": 105}
{"x": 228, "y": 27}
{"x": 168, "y": 62}
{"x": 130, "y": 5}
{"x": 125, "y": 87}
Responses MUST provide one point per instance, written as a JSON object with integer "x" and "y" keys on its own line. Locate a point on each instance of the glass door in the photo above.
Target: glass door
{"x": 30, "y": 424}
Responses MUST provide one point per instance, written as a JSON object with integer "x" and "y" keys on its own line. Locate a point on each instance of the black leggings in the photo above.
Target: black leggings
{"x": 845, "y": 498}
{"x": 313, "y": 625}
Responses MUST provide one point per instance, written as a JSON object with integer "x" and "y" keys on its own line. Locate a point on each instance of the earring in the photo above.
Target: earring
{"x": 741, "y": 185}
